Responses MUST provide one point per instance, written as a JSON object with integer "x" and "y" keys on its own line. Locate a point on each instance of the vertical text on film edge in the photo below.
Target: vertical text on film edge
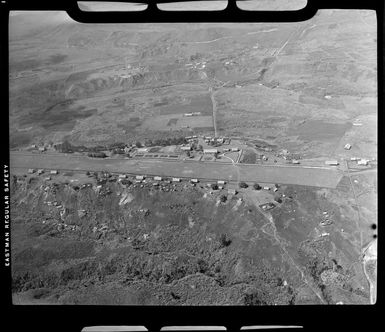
{"x": 6, "y": 215}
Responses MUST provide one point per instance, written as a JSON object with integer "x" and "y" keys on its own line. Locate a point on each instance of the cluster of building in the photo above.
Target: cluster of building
{"x": 41, "y": 171}
{"x": 157, "y": 180}
{"x": 289, "y": 156}
{"x": 217, "y": 140}
{"x": 360, "y": 161}
{"x": 40, "y": 148}
{"x": 267, "y": 206}
{"x": 196, "y": 65}
{"x": 192, "y": 140}
{"x": 335, "y": 162}
{"x": 325, "y": 220}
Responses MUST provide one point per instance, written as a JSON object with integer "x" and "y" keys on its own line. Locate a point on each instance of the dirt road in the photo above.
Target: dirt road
{"x": 318, "y": 177}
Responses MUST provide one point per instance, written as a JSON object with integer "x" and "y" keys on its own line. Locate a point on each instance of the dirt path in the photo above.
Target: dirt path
{"x": 214, "y": 111}
{"x": 370, "y": 269}
{"x": 366, "y": 253}
{"x": 358, "y": 222}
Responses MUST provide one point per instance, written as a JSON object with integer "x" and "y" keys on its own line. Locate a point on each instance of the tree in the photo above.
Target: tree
{"x": 200, "y": 147}
{"x": 256, "y": 186}
{"x": 223, "y": 198}
{"x": 126, "y": 182}
{"x": 65, "y": 147}
{"x": 138, "y": 144}
{"x": 278, "y": 199}
{"x": 148, "y": 142}
{"x": 214, "y": 186}
{"x": 243, "y": 185}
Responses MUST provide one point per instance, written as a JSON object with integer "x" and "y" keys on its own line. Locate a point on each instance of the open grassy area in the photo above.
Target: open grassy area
{"x": 299, "y": 85}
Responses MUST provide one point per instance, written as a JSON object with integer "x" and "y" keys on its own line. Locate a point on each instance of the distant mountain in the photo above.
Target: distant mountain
{"x": 24, "y": 24}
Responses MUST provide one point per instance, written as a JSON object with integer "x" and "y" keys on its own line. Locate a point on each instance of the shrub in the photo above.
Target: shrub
{"x": 253, "y": 299}
{"x": 203, "y": 266}
{"x": 224, "y": 240}
{"x": 278, "y": 199}
{"x": 243, "y": 185}
{"x": 256, "y": 186}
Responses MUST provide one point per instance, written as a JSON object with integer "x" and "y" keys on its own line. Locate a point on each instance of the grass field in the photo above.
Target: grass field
{"x": 176, "y": 122}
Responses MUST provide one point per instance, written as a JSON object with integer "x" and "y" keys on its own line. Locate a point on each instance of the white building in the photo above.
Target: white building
{"x": 42, "y": 149}
{"x": 122, "y": 176}
{"x": 194, "y": 180}
{"x": 54, "y": 171}
{"x": 142, "y": 150}
{"x": 232, "y": 191}
{"x": 363, "y": 162}
{"x": 266, "y": 188}
{"x": 31, "y": 170}
{"x": 210, "y": 151}
{"x": 188, "y": 114}
{"x": 294, "y": 161}
{"x": 139, "y": 177}
{"x": 175, "y": 179}
{"x": 221, "y": 182}
{"x": 234, "y": 149}
{"x": 185, "y": 148}
{"x": 332, "y": 162}
{"x": 347, "y": 146}
{"x": 157, "y": 178}
{"x": 40, "y": 171}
